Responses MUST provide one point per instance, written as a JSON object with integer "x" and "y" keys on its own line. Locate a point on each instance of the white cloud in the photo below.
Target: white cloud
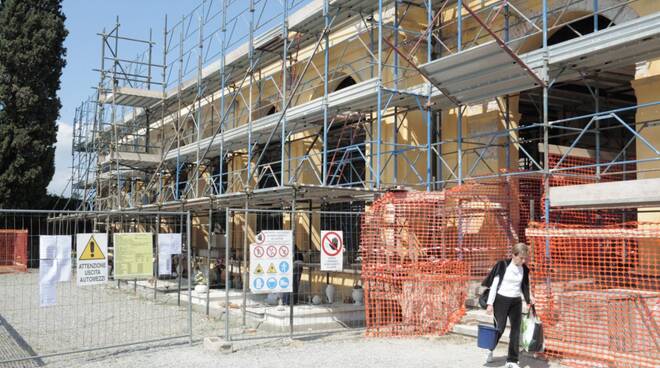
{"x": 62, "y": 160}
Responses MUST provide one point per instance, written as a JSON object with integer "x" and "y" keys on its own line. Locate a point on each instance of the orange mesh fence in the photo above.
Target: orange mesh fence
{"x": 420, "y": 249}
{"x": 471, "y": 223}
{"x": 529, "y": 196}
{"x": 402, "y": 228}
{"x": 414, "y": 299}
{"x": 13, "y": 250}
{"x": 480, "y": 224}
{"x": 598, "y": 292}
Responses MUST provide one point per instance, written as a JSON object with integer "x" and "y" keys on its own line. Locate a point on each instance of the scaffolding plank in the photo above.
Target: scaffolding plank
{"x": 134, "y": 97}
{"x": 486, "y": 71}
{"x": 361, "y": 97}
{"x": 132, "y": 159}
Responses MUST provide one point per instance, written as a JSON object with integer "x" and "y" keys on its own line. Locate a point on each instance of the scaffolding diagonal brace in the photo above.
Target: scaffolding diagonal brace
{"x": 505, "y": 47}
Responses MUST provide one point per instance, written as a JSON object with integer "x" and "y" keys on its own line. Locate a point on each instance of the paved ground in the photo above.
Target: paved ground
{"x": 340, "y": 350}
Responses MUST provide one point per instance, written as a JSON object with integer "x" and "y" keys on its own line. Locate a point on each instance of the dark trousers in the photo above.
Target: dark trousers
{"x": 509, "y": 308}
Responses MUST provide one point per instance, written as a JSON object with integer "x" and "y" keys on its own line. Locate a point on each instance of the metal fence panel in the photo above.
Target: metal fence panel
{"x": 308, "y": 309}
{"x": 85, "y": 318}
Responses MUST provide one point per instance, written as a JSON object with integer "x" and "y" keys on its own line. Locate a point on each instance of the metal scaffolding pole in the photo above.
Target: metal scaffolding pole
{"x": 379, "y": 113}
{"x": 429, "y": 121}
{"x": 223, "y": 86}
{"x": 395, "y": 124}
{"x": 285, "y": 77}
{"x": 459, "y": 117}
{"x": 198, "y": 99}
{"x": 248, "y": 178}
{"x": 326, "y": 61}
{"x": 179, "y": 122}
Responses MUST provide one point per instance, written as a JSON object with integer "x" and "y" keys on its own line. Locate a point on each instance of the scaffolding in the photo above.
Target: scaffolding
{"x": 339, "y": 100}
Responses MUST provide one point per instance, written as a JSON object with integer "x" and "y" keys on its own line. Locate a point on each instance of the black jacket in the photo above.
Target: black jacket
{"x": 499, "y": 269}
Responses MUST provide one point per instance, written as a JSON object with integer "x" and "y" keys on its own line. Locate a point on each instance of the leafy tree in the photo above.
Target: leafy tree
{"x": 32, "y": 56}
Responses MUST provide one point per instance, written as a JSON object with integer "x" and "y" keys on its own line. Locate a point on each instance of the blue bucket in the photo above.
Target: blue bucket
{"x": 487, "y": 337}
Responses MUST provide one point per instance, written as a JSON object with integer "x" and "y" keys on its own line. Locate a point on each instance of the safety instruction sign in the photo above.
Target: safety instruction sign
{"x": 271, "y": 260}
{"x": 133, "y": 256}
{"x": 92, "y": 256}
{"x": 332, "y": 250}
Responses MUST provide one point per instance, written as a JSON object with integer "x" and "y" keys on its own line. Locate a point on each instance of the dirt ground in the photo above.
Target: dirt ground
{"x": 346, "y": 350}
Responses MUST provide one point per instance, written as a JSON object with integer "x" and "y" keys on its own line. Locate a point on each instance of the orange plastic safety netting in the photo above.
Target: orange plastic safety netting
{"x": 420, "y": 249}
{"x": 475, "y": 223}
{"x": 13, "y": 250}
{"x": 410, "y": 288}
{"x": 479, "y": 224}
{"x": 598, "y": 292}
{"x": 426, "y": 298}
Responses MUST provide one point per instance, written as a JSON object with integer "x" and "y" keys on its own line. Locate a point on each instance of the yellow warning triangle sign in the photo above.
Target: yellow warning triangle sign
{"x": 259, "y": 270}
{"x": 92, "y": 251}
{"x": 271, "y": 268}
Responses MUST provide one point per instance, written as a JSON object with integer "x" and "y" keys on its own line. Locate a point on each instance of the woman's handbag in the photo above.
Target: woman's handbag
{"x": 531, "y": 332}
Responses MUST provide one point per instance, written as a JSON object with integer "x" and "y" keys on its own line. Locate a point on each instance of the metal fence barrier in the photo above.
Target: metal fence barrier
{"x": 45, "y": 310}
{"x": 321, "y": 301}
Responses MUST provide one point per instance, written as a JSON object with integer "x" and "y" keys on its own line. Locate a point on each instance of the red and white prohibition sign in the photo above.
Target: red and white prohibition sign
{"x": 332, "y": 243}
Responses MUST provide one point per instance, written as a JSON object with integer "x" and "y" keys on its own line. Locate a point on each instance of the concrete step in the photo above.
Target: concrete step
{"x": 468, "y": 326}
{"x": 473, "y": 331}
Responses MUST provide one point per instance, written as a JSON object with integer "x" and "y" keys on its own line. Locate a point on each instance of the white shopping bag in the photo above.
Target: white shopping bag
{"x": 531, "y": 332}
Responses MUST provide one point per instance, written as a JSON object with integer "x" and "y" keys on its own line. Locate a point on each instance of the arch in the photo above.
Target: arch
{"x": 573, "y": 98}
{"x": 339, "y": 81}
{"x": 345, "y": 83}
{"x": 616, "y": 13}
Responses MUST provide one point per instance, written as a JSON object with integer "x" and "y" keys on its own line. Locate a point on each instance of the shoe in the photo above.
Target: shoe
{"x": 489, "y": 356}
{"x": 511, "y": 365}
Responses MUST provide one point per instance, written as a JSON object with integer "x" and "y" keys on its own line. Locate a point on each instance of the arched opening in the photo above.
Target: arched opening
{"x": 346, "y": 138}
{"x": 587, "y": 93}
{"x": 346, "y": 82}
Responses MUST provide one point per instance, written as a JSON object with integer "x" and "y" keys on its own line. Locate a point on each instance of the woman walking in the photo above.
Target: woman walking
{"x": 509, "y": 283}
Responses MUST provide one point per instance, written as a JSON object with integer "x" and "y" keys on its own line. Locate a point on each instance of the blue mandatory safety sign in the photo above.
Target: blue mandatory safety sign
{"x": 284, "y": 266}
{"x": 284, "y": 282}
{"x": 258, "y": 283}
{"x": 271, "y": 283}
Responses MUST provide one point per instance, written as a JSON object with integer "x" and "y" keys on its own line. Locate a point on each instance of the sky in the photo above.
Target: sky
{"x": 86, "y": 18}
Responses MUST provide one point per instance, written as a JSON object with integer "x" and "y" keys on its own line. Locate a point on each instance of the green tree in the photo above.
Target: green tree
{"x": 32, "y": 56}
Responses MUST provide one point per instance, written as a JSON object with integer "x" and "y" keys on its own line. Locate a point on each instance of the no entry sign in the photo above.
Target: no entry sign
{"x": 332, "y": 250}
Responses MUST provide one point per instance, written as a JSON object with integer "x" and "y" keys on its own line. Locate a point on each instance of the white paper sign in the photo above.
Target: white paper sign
{"x": 271, "y": 262}
{"x": 58, "y": 249}
{"x": 47, "y": 295}
{"x": 169, "y": 243}
{"x": 92, "y": 256}
{"x": 332, "y": 250}
{"x": 164, "y": 264}
{"x": 48, "y": 272}
{"x": 54, "y": 266}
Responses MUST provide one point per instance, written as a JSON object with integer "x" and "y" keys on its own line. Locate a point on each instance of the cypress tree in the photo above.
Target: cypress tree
{"x": 32, "y": 56}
